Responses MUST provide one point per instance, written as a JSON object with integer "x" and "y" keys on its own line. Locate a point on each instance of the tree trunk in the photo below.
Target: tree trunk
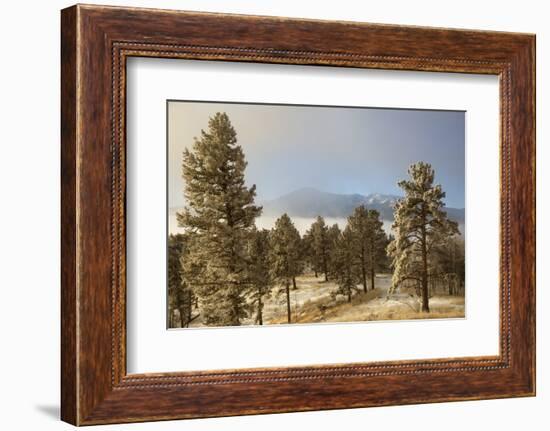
{"x": 325, "y": 265}
{"x": 235, "y": 307}
{"x": 259, "y": 316}
{"x": 288, "y": 301}
{"x": 294, "y": 283}
{"x": 425, "y": 300}
{"x": 372, "y": 265}
{"x": 363, "y": 269}
{"x": 183, "y": 318}
{"x": 189, "y": 308}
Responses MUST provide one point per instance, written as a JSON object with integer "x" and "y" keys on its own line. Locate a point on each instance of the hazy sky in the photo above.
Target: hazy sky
{"x": 340, "y": 150}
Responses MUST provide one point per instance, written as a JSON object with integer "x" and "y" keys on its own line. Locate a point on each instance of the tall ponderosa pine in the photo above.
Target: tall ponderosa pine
{"x": 345, "y": 272}
{"x": 301, "y": 260}
{"x": 285, "y": 255}
{"x": 320, "y": 246}
{"x": 180, "y": 293}
{"x": 220, "y": 213}
{"x": 359, "y": 224}
{"x": 377, "y": 244}
{"x": 308, "y": 255}
{"x": 334, "y": 234}
{"x": 261, "y": 281}
{"x": 420, "y": 224}
{"x": 370, "y": 242}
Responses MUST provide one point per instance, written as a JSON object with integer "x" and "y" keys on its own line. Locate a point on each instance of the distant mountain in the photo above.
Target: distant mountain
{"x": 310, "y": 202}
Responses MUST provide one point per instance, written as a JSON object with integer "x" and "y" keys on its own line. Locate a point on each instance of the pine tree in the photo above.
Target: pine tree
{"x": 377, "y": 243}
{"x": 359, "y": 224}
{"x": 261, "y": 281}
{"x": 220, "y": 212}
{"x": 334, "y": 234}
{"x": 285, "y": 255}
{"x": 345, "y": 271}
{"x": 320, "y": 244}
{"x": 420, "y": 224}
{"x": 450, "y": 263}
{"x": 180, "y": 292}
{"x": 301, "y": 260}
{"x": 370, "y": 242}
{"x": 308, "y": 255}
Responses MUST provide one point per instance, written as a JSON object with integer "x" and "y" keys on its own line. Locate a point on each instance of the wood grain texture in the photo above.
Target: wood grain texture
{"x": 69, "y": 397}
{"x": 96, "y": 41}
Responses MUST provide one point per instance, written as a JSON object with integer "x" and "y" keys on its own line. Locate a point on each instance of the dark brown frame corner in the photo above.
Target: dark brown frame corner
{"x": 95, "y": 43}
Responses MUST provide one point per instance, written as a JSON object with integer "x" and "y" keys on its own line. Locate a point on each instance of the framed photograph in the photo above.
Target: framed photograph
{"x": 266, "y": 215}
{"x": 307, "y": 240}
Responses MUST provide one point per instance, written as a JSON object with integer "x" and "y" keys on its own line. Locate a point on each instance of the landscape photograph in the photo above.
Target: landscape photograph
{"x": 303, "y": 214}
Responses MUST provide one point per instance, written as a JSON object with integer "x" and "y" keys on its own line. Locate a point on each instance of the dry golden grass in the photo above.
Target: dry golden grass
{"x": 440, "y": 307}
{"x": 313, "y": 303}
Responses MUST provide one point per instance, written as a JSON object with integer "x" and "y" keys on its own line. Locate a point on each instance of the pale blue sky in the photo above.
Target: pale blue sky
{"x": 340, "y": 150}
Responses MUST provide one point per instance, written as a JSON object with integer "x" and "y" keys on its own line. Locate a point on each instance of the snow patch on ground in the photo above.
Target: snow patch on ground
{"x": 314, "y": 302}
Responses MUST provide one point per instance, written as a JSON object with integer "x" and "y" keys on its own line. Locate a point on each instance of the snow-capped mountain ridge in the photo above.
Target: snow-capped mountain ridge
{"x": 310, "y": 202}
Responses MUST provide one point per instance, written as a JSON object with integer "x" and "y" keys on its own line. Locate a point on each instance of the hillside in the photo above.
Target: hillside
{"x": 313, "y": 302}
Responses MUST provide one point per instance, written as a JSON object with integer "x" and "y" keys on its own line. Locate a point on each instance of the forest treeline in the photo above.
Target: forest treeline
{"x": 222, "y": 268}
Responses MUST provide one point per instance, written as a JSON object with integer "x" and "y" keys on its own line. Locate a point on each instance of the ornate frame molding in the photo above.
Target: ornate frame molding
{"x": 96, "y": 41}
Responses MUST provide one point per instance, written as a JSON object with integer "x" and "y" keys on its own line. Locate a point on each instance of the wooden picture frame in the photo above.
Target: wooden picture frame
{"x": 95, "y": 43}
